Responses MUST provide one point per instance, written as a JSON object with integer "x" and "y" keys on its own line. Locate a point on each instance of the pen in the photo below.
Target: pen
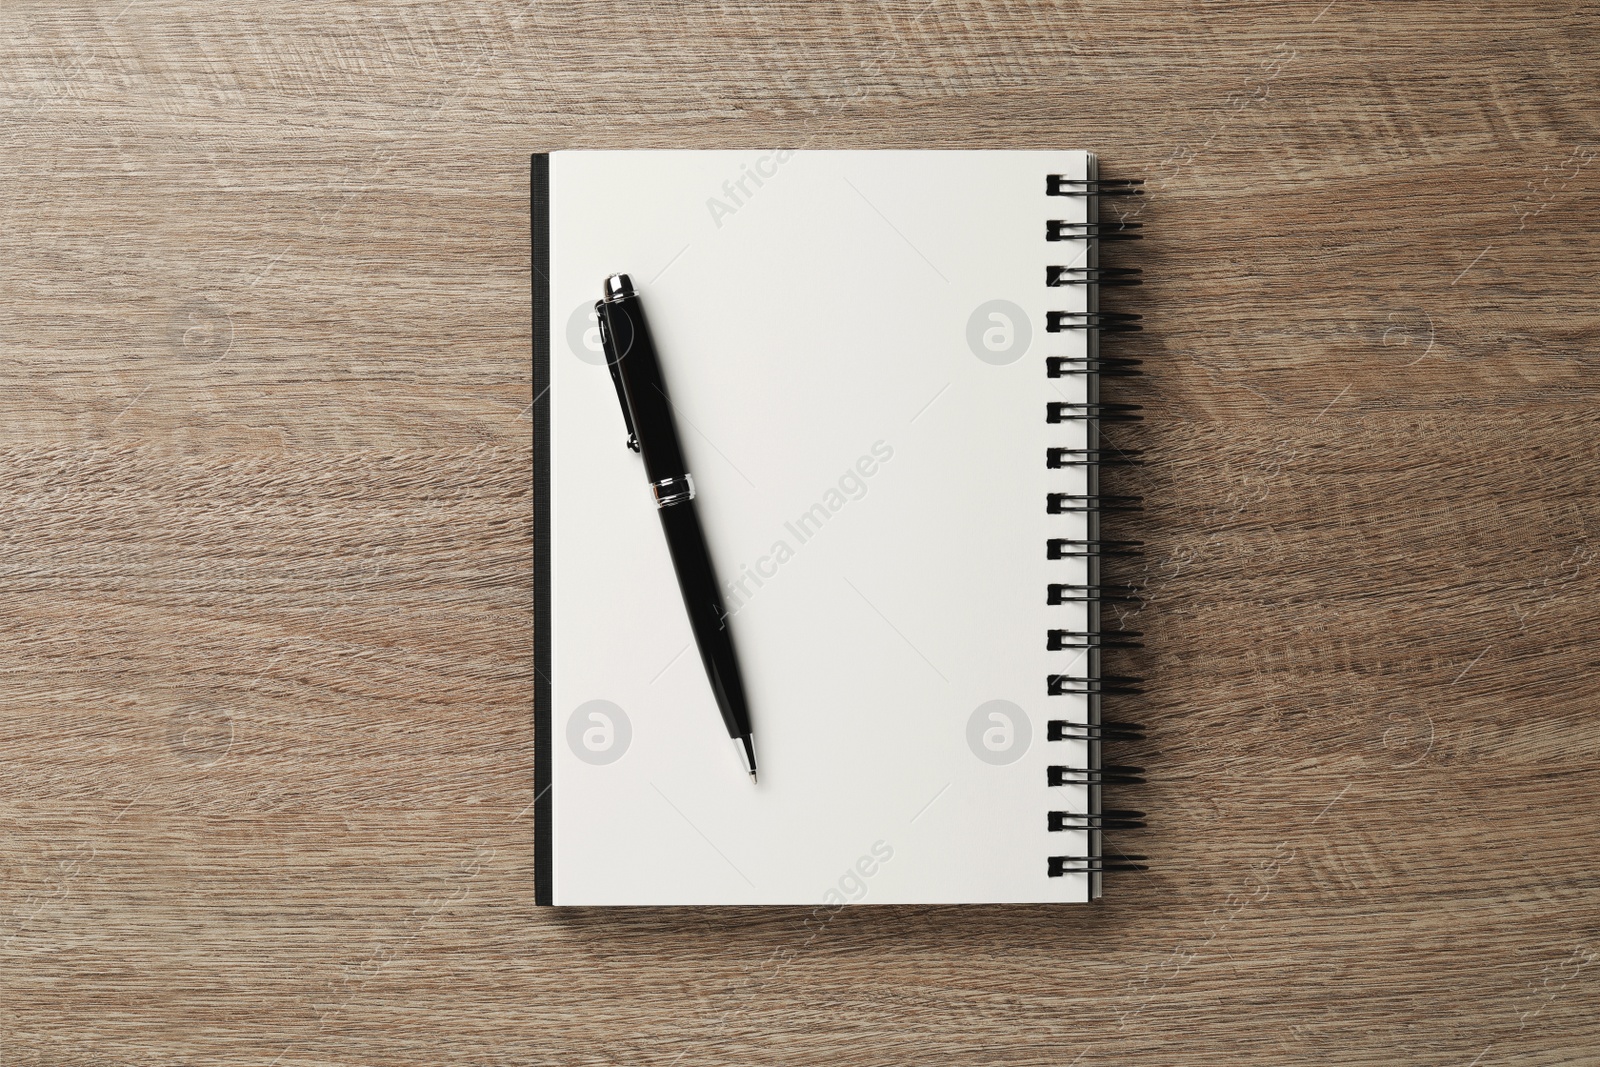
{"x": 647, "y": 413}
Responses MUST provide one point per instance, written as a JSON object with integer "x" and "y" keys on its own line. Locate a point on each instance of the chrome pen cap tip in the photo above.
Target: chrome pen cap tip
{"x": 618, "y": 286}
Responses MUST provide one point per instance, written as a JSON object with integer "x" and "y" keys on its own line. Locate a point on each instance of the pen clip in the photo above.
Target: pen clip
{"x": 616, "y": 372}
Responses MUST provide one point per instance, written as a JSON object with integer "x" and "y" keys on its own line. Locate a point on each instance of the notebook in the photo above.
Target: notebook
{"x": 882, "y": 364}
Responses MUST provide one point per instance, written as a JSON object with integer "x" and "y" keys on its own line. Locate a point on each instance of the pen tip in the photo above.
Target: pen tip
{"x": 747, "y": 755}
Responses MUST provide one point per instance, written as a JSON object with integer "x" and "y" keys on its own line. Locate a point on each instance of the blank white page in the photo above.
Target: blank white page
{"x": 867, "y": 433}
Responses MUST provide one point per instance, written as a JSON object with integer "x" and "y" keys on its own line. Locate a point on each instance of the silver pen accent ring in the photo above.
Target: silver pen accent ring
{"x": 670, "y": 491}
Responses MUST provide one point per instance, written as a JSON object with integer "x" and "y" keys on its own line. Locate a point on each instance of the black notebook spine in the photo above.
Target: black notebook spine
{"x": 1080, "y": 267}
{"x": 543, "y": 714}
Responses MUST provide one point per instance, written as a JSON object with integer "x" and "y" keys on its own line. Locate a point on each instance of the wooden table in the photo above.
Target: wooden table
{"x": 265, "y": 718}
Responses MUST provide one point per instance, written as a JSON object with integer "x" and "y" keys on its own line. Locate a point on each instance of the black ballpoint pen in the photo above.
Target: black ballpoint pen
{"x": 647, "y": 412}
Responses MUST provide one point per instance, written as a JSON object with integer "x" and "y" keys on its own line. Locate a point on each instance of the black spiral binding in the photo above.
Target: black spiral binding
{"x": 1095, "y": 685}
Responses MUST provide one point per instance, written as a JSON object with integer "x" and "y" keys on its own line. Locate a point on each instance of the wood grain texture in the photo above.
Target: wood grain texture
{"x": 265, "y": 679}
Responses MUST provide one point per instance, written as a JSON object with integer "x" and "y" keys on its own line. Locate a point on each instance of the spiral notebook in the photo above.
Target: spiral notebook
{"x": 884, "y": 366}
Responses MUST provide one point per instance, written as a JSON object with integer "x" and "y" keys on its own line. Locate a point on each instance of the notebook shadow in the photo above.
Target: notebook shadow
{"x": 716, "y": 933}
